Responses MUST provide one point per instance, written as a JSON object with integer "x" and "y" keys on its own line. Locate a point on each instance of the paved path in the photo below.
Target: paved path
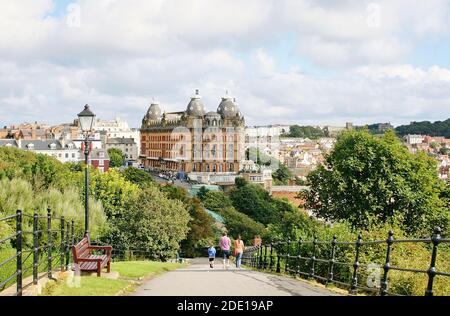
{"x": 199, "y": 280}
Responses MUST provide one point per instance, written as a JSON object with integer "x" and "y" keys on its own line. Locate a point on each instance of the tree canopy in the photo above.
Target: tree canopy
{"x": 367, "y": 180}
{"x": 116, "y": 158}
{"x": 305, "y": 132}
{"x": 438, "y": 128}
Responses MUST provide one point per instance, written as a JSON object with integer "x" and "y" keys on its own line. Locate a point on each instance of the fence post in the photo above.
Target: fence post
{"x": 72, "y": 232}
{"x": 333, "y": 253}
{"x": 19, "y": 252}
{"x": 287, "y": 255}
{"x": 387, "y": 264}
{"x": 299, "y": 254}
{"x": 49, "y": 243}
{"x": 354, "y": 286}
{"x": 35, "y": 248}
{"x": 432, "y": 270}
{"x": 313, "y": 259}
{"x": 260, "y": 256}
{"x": 278, "y": 270}
{"x": 265, "y": 258}
{"x": 271, "y": 257}
{"x": 62, "y": 244}
{"x": 67, "y": 245}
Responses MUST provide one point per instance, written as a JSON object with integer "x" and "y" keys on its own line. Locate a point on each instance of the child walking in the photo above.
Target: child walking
{"x": 212, "y": 256}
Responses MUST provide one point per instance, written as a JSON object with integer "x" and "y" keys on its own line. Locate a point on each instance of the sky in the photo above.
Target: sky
{"x": 285, "y": 61}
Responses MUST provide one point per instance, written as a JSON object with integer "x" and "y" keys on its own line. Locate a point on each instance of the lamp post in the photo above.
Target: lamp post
{"x": 86, "y": 119}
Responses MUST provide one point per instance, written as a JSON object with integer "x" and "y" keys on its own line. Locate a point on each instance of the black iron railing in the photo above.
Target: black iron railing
{"x": 37, "y": 254}
{"x": 39, "y": 249}
{"x": 302, "y": 257}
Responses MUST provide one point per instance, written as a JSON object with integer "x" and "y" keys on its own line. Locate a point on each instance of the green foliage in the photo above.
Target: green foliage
{"x": 202, "y": 192}
{"x": 369, "y": 180}
{"x": 444, "y": 151}
{"x": 138, "y": 176}
{"x": 69, "y": 205}
{"x": 236, "y": 222}
{"x": 39, "y": 170}
{"x": 201, "y": 231}
{"x": 116, "y": 157}
{"x": 305, "y": 132}
{"x": 155, "y": 223}
{"x": 18, "y": 194}
{"x": 282, "y": 175}
{"x": 254, "y": 201}
{"x": 260, "y": 158}
{"x": 113, "y": 191}
{"x": 438, "y": 128}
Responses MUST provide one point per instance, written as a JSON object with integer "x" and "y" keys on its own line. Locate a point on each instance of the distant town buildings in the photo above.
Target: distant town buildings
{"x": 437, "y": 147}
{"x": 61, "y": 150}
{"x": 128, "y": 146}
{"x": 414, "y": 139}
{"x": 65, "y": 141}
{"x": 118, "y": 128}
{"x": 99, "y": 159}
{"x": 333, "y": 131}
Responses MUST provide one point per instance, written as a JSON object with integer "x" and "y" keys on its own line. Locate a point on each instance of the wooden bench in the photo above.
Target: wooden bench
{"x": 86, "y": 261}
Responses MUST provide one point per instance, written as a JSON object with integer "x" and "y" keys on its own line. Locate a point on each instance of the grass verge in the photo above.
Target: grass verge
{"x": 130, "y": 275}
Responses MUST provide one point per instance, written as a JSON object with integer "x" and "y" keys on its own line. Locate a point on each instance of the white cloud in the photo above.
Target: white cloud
{"x": 126, "y": 52}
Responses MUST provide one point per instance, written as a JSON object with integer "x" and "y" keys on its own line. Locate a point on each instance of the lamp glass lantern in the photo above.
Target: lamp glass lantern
{"x": 86, "y": 118}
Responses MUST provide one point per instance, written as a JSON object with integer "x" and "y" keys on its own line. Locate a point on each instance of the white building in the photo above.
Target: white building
{"x": 265, "y": 138}
{"x": 64, "y": 151}
{"x": 128, "y": 146}
{"x": 118, "y": 128}
{"x": 414, "y": 139}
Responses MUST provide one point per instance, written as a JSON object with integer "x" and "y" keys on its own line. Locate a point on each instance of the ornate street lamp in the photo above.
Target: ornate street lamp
{"x": 86, "y": 119}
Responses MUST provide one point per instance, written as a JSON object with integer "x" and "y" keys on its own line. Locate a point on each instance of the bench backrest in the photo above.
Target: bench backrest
{"x": 81, "y": 250}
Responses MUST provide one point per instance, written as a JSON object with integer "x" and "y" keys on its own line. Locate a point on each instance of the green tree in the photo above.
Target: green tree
{"x": 254, "y": 201}
{"x": 116, "y": 157}
{"x": 138, "y": 176}
{"x": 282, "y": 175}
{"x": 116, "y": 195}
{"x": 156, "y": 224}
{"x": 236, "y": 222}
{"x": 200, "y": 224}
{"x": 369, "y": 180}
{"x": 202, "y": 192}
{"x": 306, "y": 132}
{"x": 438, "y": 128}
{"x": 445, "y": 151}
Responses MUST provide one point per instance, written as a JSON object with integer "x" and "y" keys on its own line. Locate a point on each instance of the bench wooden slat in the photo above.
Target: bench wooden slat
{"x": 83, "y": 251}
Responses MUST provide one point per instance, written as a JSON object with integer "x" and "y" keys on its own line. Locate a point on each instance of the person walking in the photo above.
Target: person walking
{"x": 238, "y": 251}
{"x": 225, "y": 245}
{"x": 212, "y": 256}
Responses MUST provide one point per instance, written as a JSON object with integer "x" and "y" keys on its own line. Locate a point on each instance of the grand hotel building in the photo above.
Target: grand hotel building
{"x": 194, "y": 141}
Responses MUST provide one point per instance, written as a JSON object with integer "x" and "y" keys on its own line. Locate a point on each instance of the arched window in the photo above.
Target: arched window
{"x": 207, "y": 168}
{"x": 231, "y": 167}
